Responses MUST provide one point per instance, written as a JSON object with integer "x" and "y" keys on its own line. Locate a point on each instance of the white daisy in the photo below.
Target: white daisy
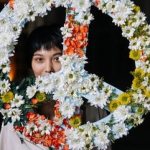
{"x": 22, "y": 8}
{"x": 71, "y": 77}
{"x": 61, "y": 3}
{"x": 66, "y": 109}
{"x": 84, "y": 18}
{"x": 66, "y": 31}
{"x": 4, "y": 86}
{"x": 119, "y": 130}
{"x": 73, "y": 140}
{"x": 30, "y": 128}
{"x": 81, "y": 5}
{"x": 110, "y": 5}
{"x": 17, "y": 101}
{"x": 45, "y": 128}
{"x": 145, "y": 82}
{"x": 137, "y": 119}
{"x": 104, "y": 128}
{"x": 40, "y": 7}
{"x": 122, "y": 113}
{"x": 31, "y": 90}
{"x": 14, "y": 114}
{"x": 135, "y": 44}
{"x": 4, "y": 56}
{"x": 139, "y": 19}
{"x": 101, "y": 140}
{"x": 45, "y": 84}
{"x": 98, "y": 99}
{"x": 128, "y": 31}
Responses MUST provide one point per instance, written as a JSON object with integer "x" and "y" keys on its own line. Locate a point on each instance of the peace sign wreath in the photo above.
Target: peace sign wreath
{"x": 127, "y": 108}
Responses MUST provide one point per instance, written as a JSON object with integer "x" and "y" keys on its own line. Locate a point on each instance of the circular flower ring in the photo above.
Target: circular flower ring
{"x": 72, "y": 82}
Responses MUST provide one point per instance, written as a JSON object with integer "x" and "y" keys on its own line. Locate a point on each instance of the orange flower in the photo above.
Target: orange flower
{"x": 56, "y": 138}
{"x": 79, "y": 37}
{"x": 31, "y": 116}
{"x": 83, "y": 29}
{"x": 70, "y": 17}
{"x": 66, "y": 147}
{"x": 73, "y": 43}
{"x": 57, "y": 114}
{"x": 69, "y": 51}
{"x": 76, "y": 43}
{"x": 80, "y": 52}
{"x": 47, "y": 141}
{"x": 7, "y": 106}
{"x": 76, "y": 28}
{"x": 34, "y": 101}
{"x": 67, "y": 42}
{"x": 84, "y": 35}
{"x": 37, "y": 135}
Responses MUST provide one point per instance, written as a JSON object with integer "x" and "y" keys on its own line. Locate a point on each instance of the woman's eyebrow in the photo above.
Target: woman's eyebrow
{"x": 59, "y": 53}
{"x": 37, "y": 54}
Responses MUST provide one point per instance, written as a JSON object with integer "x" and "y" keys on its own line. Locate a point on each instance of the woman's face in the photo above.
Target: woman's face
{"x": 46, "y": 61}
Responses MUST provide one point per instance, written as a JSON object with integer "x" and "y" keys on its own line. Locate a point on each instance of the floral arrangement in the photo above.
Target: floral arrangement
{"x": 72, "y": 83}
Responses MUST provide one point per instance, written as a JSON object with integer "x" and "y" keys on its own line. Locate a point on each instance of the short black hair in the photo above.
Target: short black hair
{"x": 44, "y": 37}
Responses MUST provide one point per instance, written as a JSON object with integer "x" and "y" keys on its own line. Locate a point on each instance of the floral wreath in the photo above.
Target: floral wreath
{"x": 72, "y": 82}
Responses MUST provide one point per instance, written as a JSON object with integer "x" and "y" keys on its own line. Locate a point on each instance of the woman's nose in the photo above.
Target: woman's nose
{"x": 49, "y": 67}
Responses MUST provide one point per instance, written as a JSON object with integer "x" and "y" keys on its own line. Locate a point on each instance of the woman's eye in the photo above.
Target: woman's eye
{"x": 56, "y": 59}
{"x": 39, "y": 59}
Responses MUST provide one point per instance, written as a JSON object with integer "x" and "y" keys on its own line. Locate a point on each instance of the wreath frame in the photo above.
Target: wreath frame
{"x": 127, "y": 108}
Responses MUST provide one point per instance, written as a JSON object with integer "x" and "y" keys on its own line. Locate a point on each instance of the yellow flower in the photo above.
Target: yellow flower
{"x": 40, "y": 97}
{"x": 139, "y": 72}
{"x": 136, "y": 8}
{"x": 124, "y": 98}
{"x": 7, "y": 97}
{"x": 148, "y": 75}
{"x": 113, "y": 105}
{"x": 147, "y": 93}
{"x": 136, "y": 83}
{"x": 75, "y": 121}
{"x": 135, "y": 54}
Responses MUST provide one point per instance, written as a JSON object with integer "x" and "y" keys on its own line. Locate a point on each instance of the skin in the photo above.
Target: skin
{"x": 46, "y": 61}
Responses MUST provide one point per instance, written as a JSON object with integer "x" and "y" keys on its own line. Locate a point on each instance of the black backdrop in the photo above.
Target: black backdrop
{"x": 107, "y": 54}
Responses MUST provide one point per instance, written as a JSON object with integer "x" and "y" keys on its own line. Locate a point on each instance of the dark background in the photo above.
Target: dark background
{"x": 107, "y": 54}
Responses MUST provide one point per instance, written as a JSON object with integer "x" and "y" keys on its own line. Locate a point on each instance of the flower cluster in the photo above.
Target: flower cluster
{"x": 40, "y": 130}
{"x": 68, "y": 86}
{"x": 50, "y": 133}
{"x": 76, "y": 40}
